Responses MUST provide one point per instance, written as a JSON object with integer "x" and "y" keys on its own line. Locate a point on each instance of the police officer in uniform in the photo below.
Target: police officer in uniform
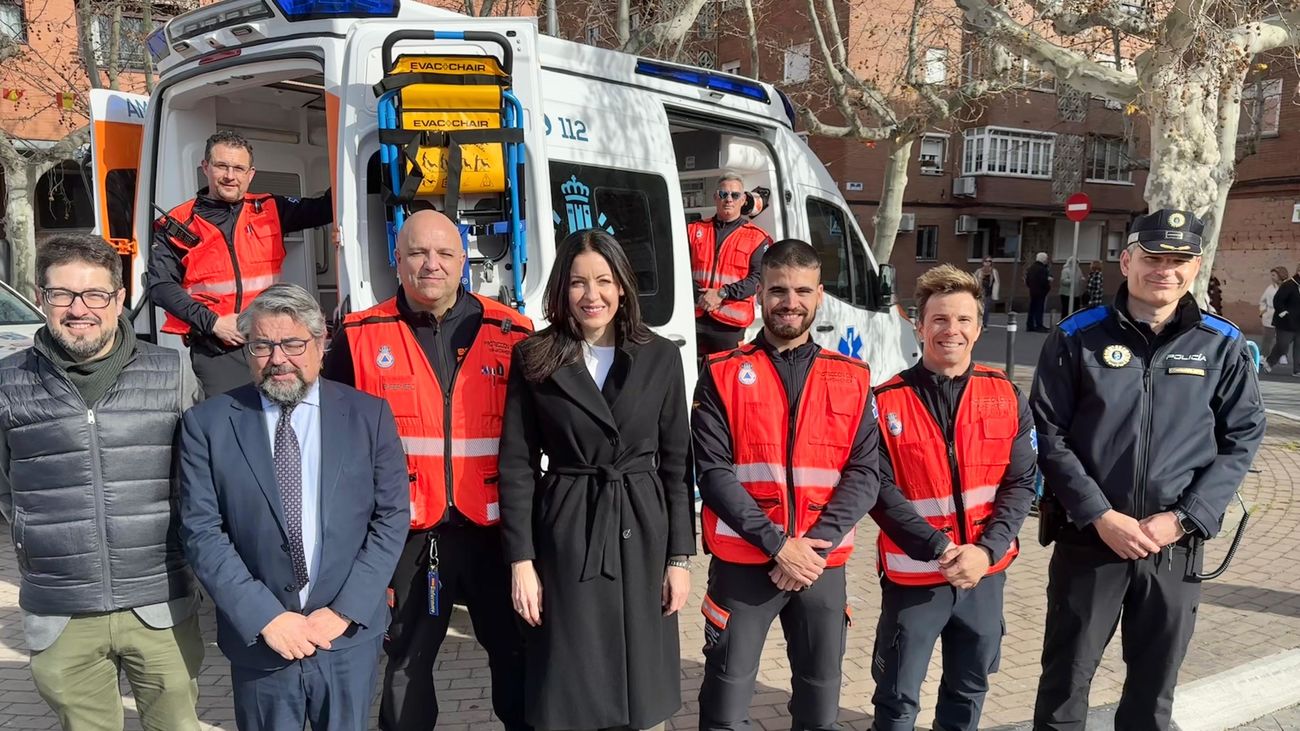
{"x": 726, "y": 253}
{"x": 786, "y": 463}
{"x": 214, "y": 253}
{"x": 957, "y": 439}
{"x": 1148, "y": 415}
{"x": 441, "y": 358}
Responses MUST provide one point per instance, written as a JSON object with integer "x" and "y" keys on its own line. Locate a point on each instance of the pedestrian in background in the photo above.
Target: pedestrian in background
{"x": 1071, "y": 287}
{"x": 88, "y": 417}
{"x": 990, "y": 286}
{"x": 1286, "y": 320}
{"x": 599, "y": 540}
{"x": 1038, "y": 277}
{"x": 1096, "y": 295}
{"x": 1277, "y": 275}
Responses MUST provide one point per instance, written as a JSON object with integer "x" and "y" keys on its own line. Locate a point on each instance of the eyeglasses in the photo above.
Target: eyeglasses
{"x": 93, "y": 298}
{"x": 264, "y": 348}
{"x": 734, "y": 195}
{"x": 228, "y": 169}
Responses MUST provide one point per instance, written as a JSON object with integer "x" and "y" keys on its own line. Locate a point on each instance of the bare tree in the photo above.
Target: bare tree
{"x": 1191, "y": 61}
{"x": 100, "y": 44}
{"x": 897, "y": 94}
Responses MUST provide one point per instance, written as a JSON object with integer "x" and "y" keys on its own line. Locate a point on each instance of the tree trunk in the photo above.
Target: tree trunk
{"x": 890, "y": 210}
{"x": 754, "y": 72}
{"x": 623, "y": 22}
{"x": 1194, "y": 120}
{"x": 20, "y": 228}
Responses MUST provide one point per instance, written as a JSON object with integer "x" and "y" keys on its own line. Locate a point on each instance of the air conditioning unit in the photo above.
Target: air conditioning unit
{"x": 964, "y": 187}
{"x": 907, "y": 222}
{"x": 967, "y": 224}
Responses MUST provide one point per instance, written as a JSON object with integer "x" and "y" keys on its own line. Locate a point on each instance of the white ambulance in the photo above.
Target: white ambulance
{"x": 525, "y": 137}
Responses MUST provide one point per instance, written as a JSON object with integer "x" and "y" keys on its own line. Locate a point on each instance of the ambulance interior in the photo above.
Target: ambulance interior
{"x": 280, "y": 108}
{"x": 704, "y": 153}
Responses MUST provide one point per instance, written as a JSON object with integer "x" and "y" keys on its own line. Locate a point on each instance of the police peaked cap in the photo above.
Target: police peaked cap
{"x": 1168, "y": 231}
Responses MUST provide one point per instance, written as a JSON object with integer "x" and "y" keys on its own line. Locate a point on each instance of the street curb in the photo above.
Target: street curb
{"x": 1240, "y": 695}
{"x": 1283, "y": 414}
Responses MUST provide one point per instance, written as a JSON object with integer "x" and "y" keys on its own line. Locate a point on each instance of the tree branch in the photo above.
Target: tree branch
{"x": 821, "y": 129}
{"x": 1099, "y": 15}
{"x": 1068, "y": 66}
{"x": 1280, "y": 32}
{"x": 673, "y": 30}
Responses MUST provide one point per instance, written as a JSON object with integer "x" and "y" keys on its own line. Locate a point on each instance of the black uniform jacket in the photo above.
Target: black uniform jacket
{"x": 1143, "y": 423}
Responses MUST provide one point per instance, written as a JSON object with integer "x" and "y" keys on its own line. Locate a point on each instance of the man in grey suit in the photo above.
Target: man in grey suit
{"x": 294, "y": 510}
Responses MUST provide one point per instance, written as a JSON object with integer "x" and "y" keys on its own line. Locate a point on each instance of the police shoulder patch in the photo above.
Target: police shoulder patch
{"x": 1084, "y": 319}
{"x": 1220, "y": 325}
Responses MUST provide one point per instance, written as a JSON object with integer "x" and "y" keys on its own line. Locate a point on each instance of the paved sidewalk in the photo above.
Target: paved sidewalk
{"x": 1251, "y": 612}
{"x": 1285, "y": 720}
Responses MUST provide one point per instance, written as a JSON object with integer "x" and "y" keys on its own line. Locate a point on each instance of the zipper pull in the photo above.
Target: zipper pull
{"x": 90, "y": 416}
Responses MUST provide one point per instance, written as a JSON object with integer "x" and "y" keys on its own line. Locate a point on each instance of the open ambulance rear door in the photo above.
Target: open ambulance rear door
{"x": 116, "y": 136}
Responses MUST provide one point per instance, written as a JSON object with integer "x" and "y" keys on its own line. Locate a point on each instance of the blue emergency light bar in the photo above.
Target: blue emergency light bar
{"x": 295, "y": 10}
{"x": 704, "y": 79}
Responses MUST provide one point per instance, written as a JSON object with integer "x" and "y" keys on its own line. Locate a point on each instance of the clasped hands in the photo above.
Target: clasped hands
{"x": 964, "y": 566}
{"x": 294, "y": 636}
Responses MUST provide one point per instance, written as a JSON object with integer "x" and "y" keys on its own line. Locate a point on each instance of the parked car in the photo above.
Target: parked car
{"x": 19, "y": 321}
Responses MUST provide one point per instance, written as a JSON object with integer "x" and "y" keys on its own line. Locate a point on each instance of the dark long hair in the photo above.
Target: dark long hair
{"x": 561, "y": 343}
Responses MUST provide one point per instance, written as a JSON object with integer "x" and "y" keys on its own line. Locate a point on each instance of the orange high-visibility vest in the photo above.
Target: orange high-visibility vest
{"x": 792, "y": 480}
{"x": 729, "y": 266}
{"x": 454, "y": 466}
{"x": 224, "y": 281}
{"x": 984, "y": 432}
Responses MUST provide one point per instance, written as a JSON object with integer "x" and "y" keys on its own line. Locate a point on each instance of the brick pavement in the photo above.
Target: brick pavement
{"x": 1252, "y": 612}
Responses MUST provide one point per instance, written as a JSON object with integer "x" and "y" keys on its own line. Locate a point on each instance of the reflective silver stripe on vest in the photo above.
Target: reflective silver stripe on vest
{"x": 934, "y": 507}
{"x": 979, "y": 496}
{"x": 761, "y": 472}
{"x": 227, "y": 286}
{"x": 725, "y": 530}
{"x": 436, "y": 447}
{"x": 904, "y": 564}
{"x": 815, "y": 477}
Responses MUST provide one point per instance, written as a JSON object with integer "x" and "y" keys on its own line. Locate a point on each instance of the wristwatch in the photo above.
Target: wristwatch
{"x": 1188, "y": 525}
{"x": 680, "y": 562}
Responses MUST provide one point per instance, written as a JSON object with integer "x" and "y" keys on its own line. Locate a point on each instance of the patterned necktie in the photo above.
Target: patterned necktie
{"x": 288, "y": 475}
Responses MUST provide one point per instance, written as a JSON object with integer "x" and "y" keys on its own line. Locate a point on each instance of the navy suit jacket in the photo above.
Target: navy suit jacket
{"x": 233, "y": 526}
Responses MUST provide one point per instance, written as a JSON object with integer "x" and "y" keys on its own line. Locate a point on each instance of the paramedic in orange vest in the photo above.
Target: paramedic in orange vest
{"x": 217, "y": 252}
{"x": 957, "y": 439}
{"x": 785, "y": 451}
{"x": 440, "y": 356}
{"x": 726, "y": 252}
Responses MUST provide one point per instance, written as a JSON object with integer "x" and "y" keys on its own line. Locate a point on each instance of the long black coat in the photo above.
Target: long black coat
{"x": 613, "y": 504}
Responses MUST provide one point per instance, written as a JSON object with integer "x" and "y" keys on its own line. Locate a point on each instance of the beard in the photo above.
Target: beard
{"x": 786, "y": 331}
{"x": 82, "y": 346}
{"x": 283, "y": 393}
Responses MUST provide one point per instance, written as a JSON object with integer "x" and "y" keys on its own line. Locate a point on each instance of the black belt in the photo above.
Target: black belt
{"x": 599, "y": 560}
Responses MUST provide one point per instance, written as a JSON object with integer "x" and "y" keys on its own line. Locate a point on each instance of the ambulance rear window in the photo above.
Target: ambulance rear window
{"x": 632, "y": 206}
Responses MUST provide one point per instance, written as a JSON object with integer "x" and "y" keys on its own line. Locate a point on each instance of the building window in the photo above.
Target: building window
{"x": 936, "y": 65}
{"x": 1261, "y": 108}
{"x": 934, "y": 153}
{"x": 1108, "y": 160}
{"x": 995, "y": 238}
{"x": 132, "y": 52}
{"x": 11, "y": 20}
{"x": 731, "y": 67}
{"x": 798, "y": 63}
{"x": 1034, "y": 78}
{"x": 927, "y": 243}
{"x": 1000, "y": 151}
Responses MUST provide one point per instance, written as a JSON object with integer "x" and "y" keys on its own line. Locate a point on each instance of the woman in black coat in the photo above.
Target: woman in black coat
{"x": 598, "y": 539}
